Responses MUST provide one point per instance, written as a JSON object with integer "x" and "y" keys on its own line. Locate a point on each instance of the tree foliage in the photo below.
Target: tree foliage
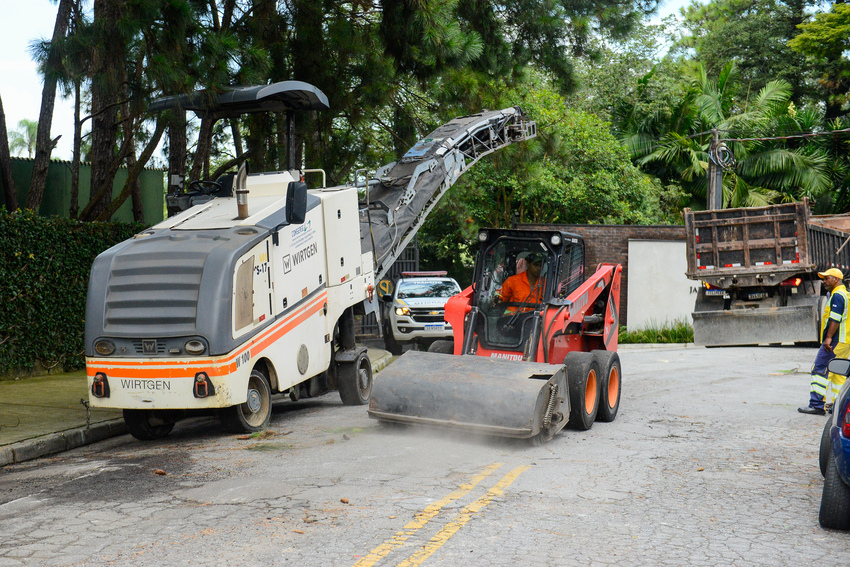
{"x": 754, "y": 35}
{"x": 674, "y": 145}
{"x": 378, "y": 63}
{"x": 825, "y": 41}
{"x": 574, "y": 172}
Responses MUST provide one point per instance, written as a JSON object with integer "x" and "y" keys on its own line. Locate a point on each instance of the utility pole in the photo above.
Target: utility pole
{"x": 715, "y": 174}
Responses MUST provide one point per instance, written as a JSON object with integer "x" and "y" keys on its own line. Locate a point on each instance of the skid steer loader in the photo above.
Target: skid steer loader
{"x": 516, "y": 368}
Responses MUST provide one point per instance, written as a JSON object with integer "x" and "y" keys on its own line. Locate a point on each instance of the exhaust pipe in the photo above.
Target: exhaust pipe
{"x": 240, "y": 184}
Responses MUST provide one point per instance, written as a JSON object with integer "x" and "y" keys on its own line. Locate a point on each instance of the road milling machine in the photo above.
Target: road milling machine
{"x": 518, "y": 366}
{"x": 251, "y": 287}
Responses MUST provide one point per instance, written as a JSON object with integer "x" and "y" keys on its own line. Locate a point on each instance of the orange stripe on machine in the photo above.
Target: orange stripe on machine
{"x": 213, "y": 367}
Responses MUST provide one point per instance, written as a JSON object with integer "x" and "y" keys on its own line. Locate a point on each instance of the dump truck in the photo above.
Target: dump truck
{"x": 757, "y": 269}
{"x": 522, "y": 368}
{"x": 251, "y": 288}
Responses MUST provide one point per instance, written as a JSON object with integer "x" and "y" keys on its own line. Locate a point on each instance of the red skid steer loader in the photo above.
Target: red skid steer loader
{"x": 522, "y": 365}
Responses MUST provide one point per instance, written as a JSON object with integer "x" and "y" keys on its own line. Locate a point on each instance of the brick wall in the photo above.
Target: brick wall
{"x": 610, "y": 243}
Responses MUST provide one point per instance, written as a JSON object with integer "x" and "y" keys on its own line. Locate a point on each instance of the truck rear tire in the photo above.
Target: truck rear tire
{"x": 610, "y": 384}
{"x": 583, "y": 377}
{"x": 256, "y": 413}
{"x": 389, "y": 339}
{"x": 354, "y": 380}
{"x": 835, "y": 503}
{"x": 147, "y": 425}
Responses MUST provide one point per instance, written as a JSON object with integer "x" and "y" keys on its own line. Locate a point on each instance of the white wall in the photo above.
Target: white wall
{"x": 659, "y": 292}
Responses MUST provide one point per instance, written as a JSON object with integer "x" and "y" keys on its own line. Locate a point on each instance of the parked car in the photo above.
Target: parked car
{"x": 416, "y": 309}
{"x": 835, "y": 457}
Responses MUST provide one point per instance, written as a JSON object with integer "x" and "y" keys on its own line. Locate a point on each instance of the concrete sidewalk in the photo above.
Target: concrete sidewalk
{"x": 45, "y": 415}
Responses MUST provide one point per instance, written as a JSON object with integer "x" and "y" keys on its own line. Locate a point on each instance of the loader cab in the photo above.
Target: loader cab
{"x": 518, "y": 273}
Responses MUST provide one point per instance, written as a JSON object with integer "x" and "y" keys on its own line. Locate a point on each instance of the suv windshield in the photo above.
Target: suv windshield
{"x": 417, "y": 289}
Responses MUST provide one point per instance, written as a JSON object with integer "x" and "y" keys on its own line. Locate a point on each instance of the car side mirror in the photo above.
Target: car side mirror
{"x": 296, "y": 202}
{"x": 839, "y": 366}
{"x": 387, "y": 297}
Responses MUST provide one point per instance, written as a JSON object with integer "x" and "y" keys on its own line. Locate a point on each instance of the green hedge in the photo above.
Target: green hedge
{"x": 44, "y": 274}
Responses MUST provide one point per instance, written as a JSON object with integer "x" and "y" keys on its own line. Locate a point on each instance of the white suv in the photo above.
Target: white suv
{"x": 417, "y": 308}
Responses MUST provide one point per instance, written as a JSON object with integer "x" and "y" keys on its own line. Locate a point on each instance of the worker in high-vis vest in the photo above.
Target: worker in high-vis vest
{"x": 835, "y": 342}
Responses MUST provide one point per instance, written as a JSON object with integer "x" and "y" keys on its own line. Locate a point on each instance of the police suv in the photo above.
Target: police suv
{"x": 416, "y": 309}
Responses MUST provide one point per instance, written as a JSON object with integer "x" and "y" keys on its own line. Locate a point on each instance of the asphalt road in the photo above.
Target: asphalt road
{"x": 708, "y": 463}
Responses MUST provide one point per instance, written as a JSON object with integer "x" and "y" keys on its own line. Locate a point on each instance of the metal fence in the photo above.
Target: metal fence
{"x": 367, "y": 326}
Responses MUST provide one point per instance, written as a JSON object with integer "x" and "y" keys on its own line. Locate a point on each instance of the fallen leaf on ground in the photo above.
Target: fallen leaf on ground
{"x": 344, "y": 500}
{"x": 160, "y": 472}
{"x": 298, "y": 531}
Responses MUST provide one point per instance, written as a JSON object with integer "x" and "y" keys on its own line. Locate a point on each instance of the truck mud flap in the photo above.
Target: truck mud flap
{"x": 766, "y": 325}
{"x": 486, "y": 395}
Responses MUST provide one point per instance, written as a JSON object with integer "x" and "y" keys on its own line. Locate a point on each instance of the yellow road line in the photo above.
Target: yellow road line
{"x": 423, "y": 518}
{"x": 452, "y": 527}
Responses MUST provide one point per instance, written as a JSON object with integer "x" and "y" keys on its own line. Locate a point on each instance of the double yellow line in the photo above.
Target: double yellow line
{"x": 449, "y": 529}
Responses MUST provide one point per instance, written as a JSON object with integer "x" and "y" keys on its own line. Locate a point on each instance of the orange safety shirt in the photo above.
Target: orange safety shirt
{"x": 517, "y": 289}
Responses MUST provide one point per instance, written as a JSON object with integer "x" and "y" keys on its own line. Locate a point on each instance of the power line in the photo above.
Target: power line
{"x": 789, "y": 137}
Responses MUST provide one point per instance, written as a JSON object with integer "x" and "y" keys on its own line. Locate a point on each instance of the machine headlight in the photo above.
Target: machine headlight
{"x": 483, "y": 236}
{"x": 555, "y": 240}
{"x": 195, "y": 347}
{"x": 402, "y": 311}
{"x": 104, "y": 348}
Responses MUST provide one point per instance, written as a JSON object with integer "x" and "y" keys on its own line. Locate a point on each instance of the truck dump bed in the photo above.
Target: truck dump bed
{"x": 763, "y": 245}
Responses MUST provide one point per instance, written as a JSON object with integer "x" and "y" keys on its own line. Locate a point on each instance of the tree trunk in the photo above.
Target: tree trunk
{"x": 107, "y": 61}
{"x": 177, "y": 151}
{"x": 202, "y": 151}
{"x": 9, "y": 188}
{"x": 133, "y": 173}
{"x": 307, "y": 56}
{"x": 75, "y": 160}
{"x": 43, "y": 144}
{"x": 237, "y": 136}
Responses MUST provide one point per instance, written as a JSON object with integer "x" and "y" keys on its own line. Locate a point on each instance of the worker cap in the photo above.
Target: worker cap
{"x": 835, "y": 272}
{"x": 534, "y": 258}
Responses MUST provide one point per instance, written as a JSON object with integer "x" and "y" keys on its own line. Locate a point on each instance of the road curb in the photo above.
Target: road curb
{"x": 59, "y": 442}
{"x": 381, "y": 362}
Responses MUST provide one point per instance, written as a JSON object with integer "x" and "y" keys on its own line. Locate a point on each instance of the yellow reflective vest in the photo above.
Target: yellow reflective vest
{"x": 839, "y": 317}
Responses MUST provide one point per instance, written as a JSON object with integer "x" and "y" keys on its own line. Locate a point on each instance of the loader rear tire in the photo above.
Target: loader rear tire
{"x": 354, "y": 380}
{"x": 610, "y": 384}
{"x": 147, "y": 425}
{"x": 442, "y": 347}
{"x": 256, "y": 413}
{"x": 583, "y": 376}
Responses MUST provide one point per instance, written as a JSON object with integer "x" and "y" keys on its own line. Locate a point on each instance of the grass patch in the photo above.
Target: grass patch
{"x": 677, "y": 331}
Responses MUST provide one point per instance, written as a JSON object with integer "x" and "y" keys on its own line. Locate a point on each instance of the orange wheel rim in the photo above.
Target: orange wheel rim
{"x": 590, "y": 392}
{"x": 613, "y": 387}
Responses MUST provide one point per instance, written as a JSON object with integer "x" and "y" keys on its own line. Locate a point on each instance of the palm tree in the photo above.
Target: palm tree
{"x": 759, "y": 169}
{"x": 23, "y": 138}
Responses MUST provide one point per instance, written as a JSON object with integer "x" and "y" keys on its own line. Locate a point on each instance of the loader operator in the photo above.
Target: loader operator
{"x": 524, "y": 287}
{"x": 835, "y": 337}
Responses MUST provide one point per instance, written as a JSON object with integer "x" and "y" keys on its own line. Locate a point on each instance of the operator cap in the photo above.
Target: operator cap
{"x": 835, "y": 272}
{"x": 534, "y": 258}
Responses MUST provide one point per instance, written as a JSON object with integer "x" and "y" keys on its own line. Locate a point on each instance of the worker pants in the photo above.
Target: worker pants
{"x": 823, "y": 381}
